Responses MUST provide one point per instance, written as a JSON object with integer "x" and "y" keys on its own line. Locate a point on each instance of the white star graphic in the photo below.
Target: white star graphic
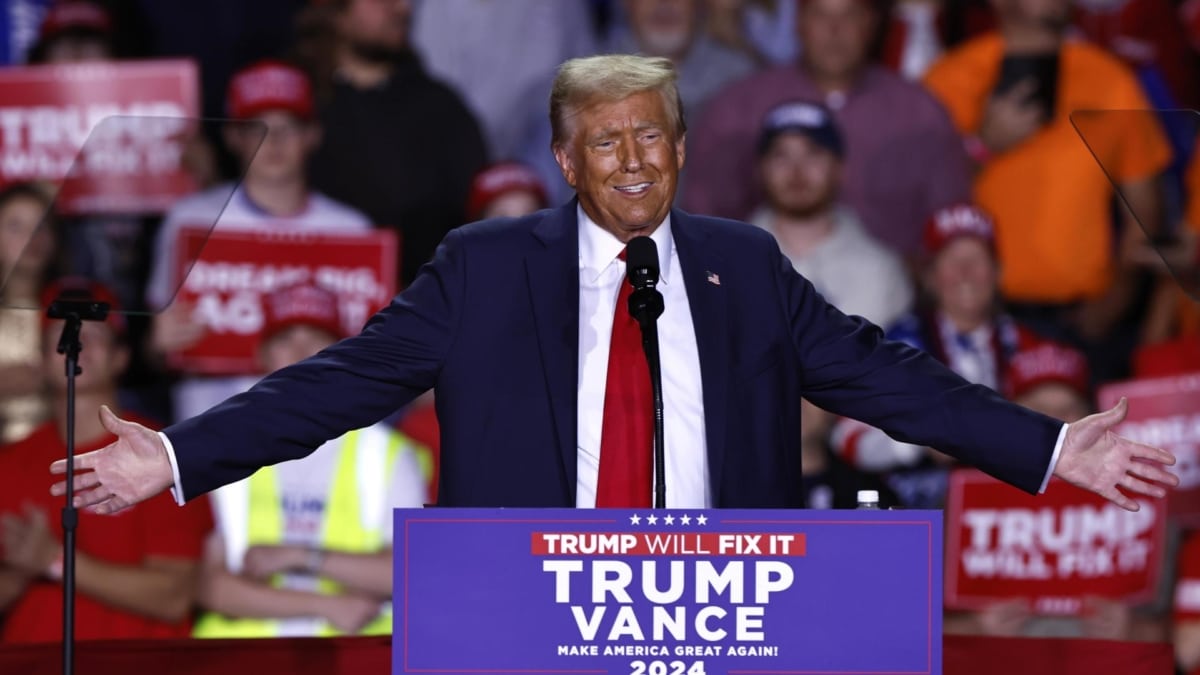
{"x": 685, "y": 519}
{"x": 701, "y": 520}
{"x": 670, "y": 520}
{"x": 635, "y": 519}
{"x": 651, "y": 520}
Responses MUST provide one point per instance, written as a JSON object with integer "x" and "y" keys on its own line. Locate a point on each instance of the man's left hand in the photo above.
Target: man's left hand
{"x": 28, "y": 544}
{"x": 1096, "y": 459}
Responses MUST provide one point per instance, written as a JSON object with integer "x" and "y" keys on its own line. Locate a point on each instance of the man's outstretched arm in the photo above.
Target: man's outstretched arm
{"x": 850, "y": 369}
{"x": 350, "y": 385}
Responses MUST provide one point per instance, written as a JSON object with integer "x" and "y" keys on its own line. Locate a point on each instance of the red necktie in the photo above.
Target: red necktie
{"x": 627, "y": 433}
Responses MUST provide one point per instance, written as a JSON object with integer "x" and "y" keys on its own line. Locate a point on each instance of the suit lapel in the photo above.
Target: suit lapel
{"x": 552, "y": 269}
{"x": 701, "y": 267}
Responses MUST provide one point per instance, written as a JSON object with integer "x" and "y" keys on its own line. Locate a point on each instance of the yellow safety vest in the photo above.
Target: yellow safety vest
{"x": 365, "y": 457}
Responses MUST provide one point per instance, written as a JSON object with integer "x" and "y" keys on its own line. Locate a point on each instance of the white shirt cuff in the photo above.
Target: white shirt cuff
{"x": 177, "y": 488}
{"x": 1062, "y": 436}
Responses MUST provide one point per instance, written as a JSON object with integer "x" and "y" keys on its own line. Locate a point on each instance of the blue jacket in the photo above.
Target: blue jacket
{"x": 491, "y": 323}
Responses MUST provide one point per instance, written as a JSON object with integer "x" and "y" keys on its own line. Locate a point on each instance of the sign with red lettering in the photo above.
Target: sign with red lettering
{"x": 234, "y": 270}
{"x": 1165, "y": 412}
{"x": 1053, "y": 549}
{"x": 667, "y": 592}
{"x": 136, "y": 119}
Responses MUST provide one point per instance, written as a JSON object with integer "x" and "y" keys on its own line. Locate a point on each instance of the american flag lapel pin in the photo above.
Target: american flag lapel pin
{"x": 714, "y": 278}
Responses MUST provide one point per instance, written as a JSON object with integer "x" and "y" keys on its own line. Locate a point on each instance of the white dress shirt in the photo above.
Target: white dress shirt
{"x": 601, "y": 273}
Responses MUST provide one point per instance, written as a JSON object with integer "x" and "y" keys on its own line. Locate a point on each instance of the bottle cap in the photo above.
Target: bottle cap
{"x": 868, "y": 496}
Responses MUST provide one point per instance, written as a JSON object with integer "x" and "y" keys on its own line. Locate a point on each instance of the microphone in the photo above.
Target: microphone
{"x": 645, "y": 306}
{"x": 641, "y": 268}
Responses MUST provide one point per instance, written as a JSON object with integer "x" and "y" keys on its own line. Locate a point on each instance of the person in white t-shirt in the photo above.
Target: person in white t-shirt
{"x": 274, "y": 196}
{"x": 303, "y": 548}
{"x": 800, "y": 164}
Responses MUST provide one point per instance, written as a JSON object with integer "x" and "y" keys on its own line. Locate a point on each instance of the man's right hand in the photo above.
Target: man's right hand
{"x": 1010, "y": 118}
{"x": 131, "y": 469}
{"x": 349, "y": 613}
{"x": 175, "y": 330}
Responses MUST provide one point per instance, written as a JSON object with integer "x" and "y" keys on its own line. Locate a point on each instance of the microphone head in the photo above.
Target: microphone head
{"x": 641, "y": 262}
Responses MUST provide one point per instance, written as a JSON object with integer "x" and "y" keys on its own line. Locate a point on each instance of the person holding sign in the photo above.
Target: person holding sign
{"x": 304, "y": 548}
{"x": 274, "y": 197}
{"x": 516, "y": 322}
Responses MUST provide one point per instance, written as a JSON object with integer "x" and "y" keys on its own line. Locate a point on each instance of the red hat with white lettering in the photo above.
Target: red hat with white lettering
{"x": 500, "y": 179}
{"x": 269, "y": 85}
{"x": 87, "y": 290}
{"x": 75, "y": 15}
{"x": 1048, "y": 362}
{"x": 958, "y": 220}
{"x": 301, "y": 305}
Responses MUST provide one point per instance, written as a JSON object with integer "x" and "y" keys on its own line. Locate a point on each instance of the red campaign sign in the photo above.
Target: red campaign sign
{"x": 133, "y": 161}
{"x": 1053, "y": 549}
{"x": 234, "y": 270}
{"x": 1165, "y": 412}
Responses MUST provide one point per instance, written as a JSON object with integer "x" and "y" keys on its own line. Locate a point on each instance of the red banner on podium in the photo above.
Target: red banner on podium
{"x": 234, "y": 270}
{"x": 135, "y": 117}
{"x": 1165, "y": 412}
{"x": 1053, "y": 549}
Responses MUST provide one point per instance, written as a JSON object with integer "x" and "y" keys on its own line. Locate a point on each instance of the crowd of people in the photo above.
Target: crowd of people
{"x": 921, "y": 162}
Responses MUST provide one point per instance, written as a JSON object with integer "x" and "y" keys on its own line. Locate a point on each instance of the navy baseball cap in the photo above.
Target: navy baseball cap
{"x": 803, "y": 117}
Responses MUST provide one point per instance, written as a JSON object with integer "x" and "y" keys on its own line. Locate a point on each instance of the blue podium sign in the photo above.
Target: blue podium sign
{"x": 675, "y": 592}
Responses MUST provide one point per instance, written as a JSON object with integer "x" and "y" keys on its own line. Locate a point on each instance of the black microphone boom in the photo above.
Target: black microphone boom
{"x": 645, "y": 306}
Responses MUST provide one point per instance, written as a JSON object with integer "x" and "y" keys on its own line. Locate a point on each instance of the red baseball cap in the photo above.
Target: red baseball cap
{"x": 958, "y": 220}
{"x": 78, "y": 288}
{"x": 301, "y": 305}
{"x": 269, "y": 85}
{"x": 75, "y": 15}
{"x": 1048, "y": 362}
{"x": 499, "y": 179}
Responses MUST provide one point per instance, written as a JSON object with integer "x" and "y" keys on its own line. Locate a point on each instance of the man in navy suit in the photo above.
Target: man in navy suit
{"x": 520, "y": 327}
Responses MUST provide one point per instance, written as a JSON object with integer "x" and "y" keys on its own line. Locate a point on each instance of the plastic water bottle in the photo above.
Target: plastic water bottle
{"x": 868, "y": 499}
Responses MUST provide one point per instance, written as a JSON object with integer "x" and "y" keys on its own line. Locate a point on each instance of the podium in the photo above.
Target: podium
{"x": 667, "y": 592}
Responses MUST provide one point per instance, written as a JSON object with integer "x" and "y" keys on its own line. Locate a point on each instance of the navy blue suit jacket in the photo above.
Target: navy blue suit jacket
{"x": 492, "y": 324}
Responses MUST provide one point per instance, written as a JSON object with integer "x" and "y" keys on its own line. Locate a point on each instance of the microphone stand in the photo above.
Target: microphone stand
{"x": 646, "y": 305}
{"x": 74, "y": 311}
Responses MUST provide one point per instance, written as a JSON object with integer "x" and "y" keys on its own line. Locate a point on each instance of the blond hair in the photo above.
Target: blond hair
{"x": 609, "y": 78}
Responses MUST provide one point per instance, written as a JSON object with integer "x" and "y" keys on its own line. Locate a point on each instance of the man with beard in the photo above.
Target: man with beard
{"x": 398, "y": 144}
{"x": 1064, "y": 271}
{"x": 800, "y": 162}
